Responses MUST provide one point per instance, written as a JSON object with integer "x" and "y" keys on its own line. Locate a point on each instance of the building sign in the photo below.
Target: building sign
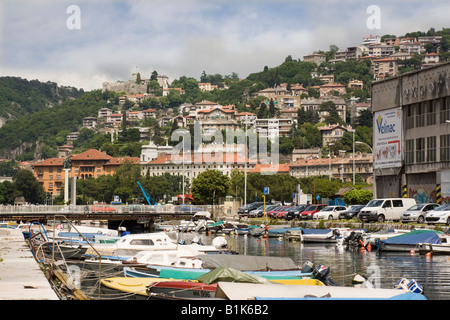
{"x": 387, "y": 136}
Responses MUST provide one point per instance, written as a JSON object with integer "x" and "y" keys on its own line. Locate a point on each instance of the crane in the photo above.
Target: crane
{"x": 149, "y": 199}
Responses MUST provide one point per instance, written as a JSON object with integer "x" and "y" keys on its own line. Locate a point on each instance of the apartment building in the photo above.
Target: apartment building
{"x": 91, "y": 163}
{"x": 317, "y": 58}
{"x": 329, "y": 88}
{"x": 411, "y": 47}
{"x": 332, "y": 133}
{"x": 430, "y": 58}
{"x": 349, "y": 53}
{"x": 384, "y": 68}
{"x": 273, "y": 128}
{"x": 196, "y": 163}
{"x": 411, "y": 139}
{"x": 315, "y": 105}
{"x": 380, "y": 50}
{"x": 337, "y": 167}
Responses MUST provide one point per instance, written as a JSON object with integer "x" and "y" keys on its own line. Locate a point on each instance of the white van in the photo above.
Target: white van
{"x": 385, "y": 209}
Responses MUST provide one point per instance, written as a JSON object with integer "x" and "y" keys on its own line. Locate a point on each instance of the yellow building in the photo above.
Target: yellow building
{"x": 91, "y": 163}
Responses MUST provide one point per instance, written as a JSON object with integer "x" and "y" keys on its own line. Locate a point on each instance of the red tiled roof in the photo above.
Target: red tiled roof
{"x": 279, "y": 168}
{"x": 91, "y": 154}
{"x": 121, "y": 160}
{"x": 206, "y": 103}
{"x": 245, "y": 114}
{"x": 50, "y": 162}
{"x": 211, "y": 110}
{"x": 201, "y": 158}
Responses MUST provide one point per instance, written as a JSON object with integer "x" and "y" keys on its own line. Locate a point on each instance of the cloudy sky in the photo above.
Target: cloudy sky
{"x": 108, "y": 40}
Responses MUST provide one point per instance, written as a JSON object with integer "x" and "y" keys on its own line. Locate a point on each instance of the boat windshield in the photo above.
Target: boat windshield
{"x": 375, "y": 203}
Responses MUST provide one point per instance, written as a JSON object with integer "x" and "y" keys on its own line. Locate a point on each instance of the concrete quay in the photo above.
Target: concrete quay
{"x": 20, "y": 275}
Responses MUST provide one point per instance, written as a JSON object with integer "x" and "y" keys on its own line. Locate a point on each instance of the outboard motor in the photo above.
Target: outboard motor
{"x": 322, "y": 273}
{"x": 307, "y": 267}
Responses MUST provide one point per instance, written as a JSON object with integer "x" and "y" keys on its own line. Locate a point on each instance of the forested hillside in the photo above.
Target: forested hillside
{"x": 49, "y": 127}
{"x": 20, "y": 97}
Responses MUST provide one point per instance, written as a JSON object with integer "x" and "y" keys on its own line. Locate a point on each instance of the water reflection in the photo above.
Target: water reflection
{"x": 382, "y": 269}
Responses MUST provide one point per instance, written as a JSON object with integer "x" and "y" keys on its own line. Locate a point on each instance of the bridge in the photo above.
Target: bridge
{"x": 115, "y": 214}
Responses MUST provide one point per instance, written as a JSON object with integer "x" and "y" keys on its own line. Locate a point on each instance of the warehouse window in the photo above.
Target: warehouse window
{"x": 431, "y": 112}
{"x": 431, "y": 149}
{"x": 420, "y": 116}
{"x": 445, "y": 109}
{"x": 409, "y": 151}
{"x": 445, "y": 147}
{"x": 410, "y": 116}
{"x": 420, "y": 150}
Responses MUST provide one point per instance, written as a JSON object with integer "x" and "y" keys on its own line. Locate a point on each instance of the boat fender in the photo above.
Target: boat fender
{"x": 219, "y": 242}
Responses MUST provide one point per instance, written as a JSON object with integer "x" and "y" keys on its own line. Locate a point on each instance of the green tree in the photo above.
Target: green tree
{"x": 210, "y": 185}
{"x": 29, "y": 187}
{"x": 358, "y": 196}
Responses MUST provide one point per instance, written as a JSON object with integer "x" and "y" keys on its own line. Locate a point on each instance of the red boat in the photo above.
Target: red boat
{"x": 181, "y": 290}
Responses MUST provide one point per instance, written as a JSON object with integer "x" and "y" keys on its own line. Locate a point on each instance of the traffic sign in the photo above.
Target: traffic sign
{"x": 266, "y": 190}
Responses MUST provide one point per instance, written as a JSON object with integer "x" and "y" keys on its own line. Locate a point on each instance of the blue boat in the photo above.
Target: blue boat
{"x": 194, "y": 274}
{"x": 268, "y": 267}
{"x": 409, "y": 241}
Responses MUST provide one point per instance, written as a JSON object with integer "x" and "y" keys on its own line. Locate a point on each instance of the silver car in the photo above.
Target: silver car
{"x": 417, "y": 212}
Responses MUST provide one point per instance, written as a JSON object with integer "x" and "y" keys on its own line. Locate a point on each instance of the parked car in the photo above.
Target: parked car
{"x": 417, "y": 212}
{"x": 282, "y": 213}
{"x": 259, "y": 212}
{"x": 102, "y": 207}
{"x": 351, "y": 212}
{"x": 439, "y": 215}
{"x": 245, "y": 210}
{"x": 385, "y": 209}
{"x": 295, "y": 212}
{"x": 309, "y": 212}
{"x": 274, "y": 211}
{"x": 330, "y": 213}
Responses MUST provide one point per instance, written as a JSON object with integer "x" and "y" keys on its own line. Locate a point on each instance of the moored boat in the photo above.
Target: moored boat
{"x": 409, "y": 241}
{"x": 319, "y": 235}
{"x": 250, "y": 291}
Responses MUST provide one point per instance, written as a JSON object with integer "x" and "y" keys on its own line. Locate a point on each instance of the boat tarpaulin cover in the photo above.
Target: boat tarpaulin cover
{"x": 282, "y": 231}
{"x": 230, "y": 275}
{"x": 316, "y": 231}
{"x": 247, "y": 263}
{"x": 415, "y": 237}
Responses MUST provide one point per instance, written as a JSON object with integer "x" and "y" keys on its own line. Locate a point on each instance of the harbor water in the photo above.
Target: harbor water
{"x": 383, "y": 270}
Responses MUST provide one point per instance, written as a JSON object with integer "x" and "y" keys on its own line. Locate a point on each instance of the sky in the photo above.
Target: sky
{"x": 83, "y": 43}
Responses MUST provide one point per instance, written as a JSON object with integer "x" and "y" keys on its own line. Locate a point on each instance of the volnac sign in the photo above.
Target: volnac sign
{"x": 387, "y": 138}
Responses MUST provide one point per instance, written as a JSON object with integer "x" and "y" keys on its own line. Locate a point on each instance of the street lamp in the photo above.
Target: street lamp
{"x": 363, "y": 143}
{"x": 353, "y": 170}
{"x": 342, "y": 165}
{"x": 329, "y": 159}
{"x": 374, "y": 181}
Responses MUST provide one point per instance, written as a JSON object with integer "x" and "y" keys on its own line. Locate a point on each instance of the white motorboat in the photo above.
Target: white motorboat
{"x": 129, "y": 245}
{"x": 250, "y": 291}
